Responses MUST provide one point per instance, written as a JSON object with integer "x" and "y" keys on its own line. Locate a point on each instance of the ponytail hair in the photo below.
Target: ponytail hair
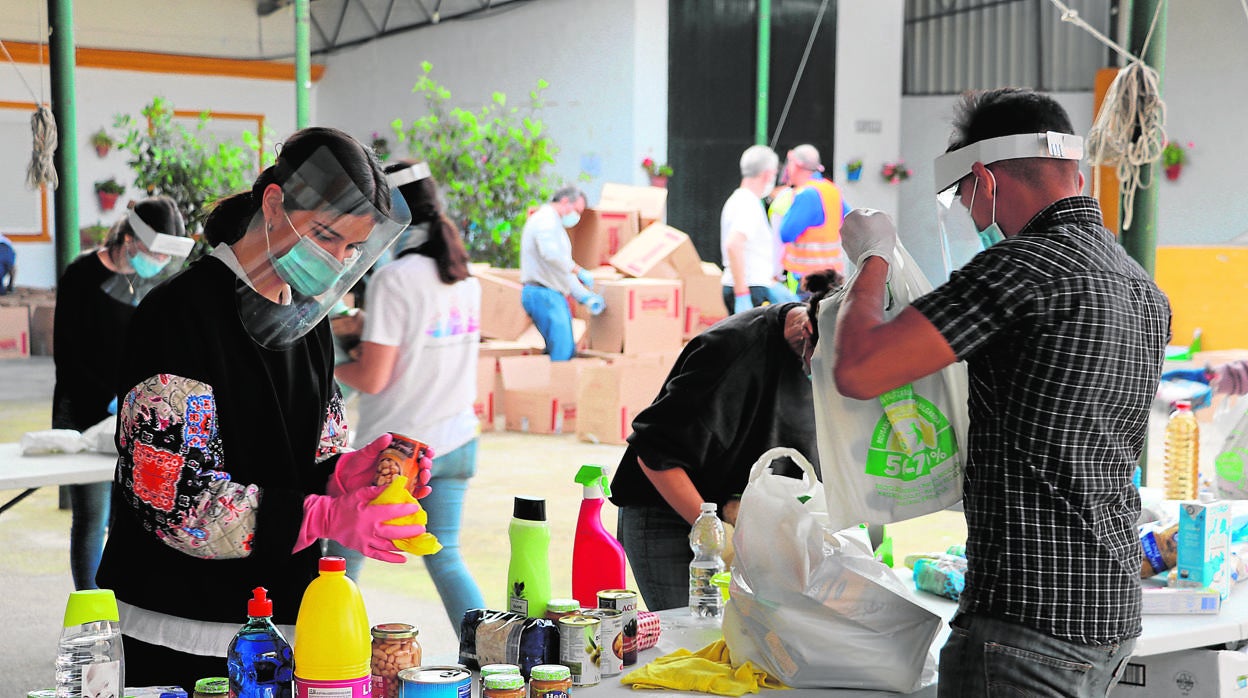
{"x": 230, "y": 216}
{"x": 820, "y": 285}
{"x": 445, "y": 246}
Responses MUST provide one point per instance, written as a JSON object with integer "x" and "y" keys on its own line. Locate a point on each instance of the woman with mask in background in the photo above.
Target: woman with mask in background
{"x": 95, "y": 299}
{"x": 416, "y": 369}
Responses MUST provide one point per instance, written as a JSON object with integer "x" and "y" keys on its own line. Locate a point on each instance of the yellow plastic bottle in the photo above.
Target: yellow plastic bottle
{"x": 333, "y": 645}
{"x": 1182, "y": 450}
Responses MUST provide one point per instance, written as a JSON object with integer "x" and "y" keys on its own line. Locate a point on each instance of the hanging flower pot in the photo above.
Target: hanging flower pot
{"x": 1173, "y": 158}
{"x": 108, "y": 200}
{"x": 657, "y": 173}
{"x": 1173, "y": 172}
{"x": 658, "y": 180}
{"x": 102, "y": 142}
{"x": 853, "y": 170}
{"x": 107, "y": 192}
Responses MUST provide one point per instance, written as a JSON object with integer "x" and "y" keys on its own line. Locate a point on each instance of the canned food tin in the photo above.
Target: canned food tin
{"x": 401, "y": 457}
{"x": 610, "y": 639}
{"x": 450, "y": 681}
{"x": 579, "y": 649}
{"x": 624, "y": 600}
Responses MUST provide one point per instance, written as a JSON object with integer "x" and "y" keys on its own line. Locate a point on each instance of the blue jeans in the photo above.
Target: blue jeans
{"x": 445, "y": 505}
{"x": 550, "y": 313}
{"x": 656, "y": 541}
{"x": 88, "y": 523}
{"x": 986, "y": 656}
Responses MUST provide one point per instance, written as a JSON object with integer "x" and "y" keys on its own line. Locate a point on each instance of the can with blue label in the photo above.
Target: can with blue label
{"x": 450, "y": 681}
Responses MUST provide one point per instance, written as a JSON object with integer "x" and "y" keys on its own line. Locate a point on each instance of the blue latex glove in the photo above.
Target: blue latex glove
{"x": 112, "y": 406}
{"x": 595, "y": 304}
{"x": 585, "y": 278}
{"x": 740, "y": 304}
{"x": 1199, "y": 375}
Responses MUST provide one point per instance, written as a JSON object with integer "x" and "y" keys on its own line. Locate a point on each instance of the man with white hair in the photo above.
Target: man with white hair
{"x": 745, "y": 235}
{"x": 811, "y": 228}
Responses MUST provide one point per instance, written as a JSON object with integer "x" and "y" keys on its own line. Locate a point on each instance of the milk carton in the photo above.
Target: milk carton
{"x": 1204, "y": 545}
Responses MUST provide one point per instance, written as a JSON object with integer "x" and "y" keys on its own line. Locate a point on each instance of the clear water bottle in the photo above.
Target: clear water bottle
{"x": 707, "y": 539}
{"x": 260, "y": 661}
{"x": 89, "y": 658}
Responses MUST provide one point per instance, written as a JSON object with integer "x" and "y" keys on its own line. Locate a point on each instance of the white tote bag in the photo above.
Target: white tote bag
{"x": 897, "y": 456}
{"x": 812, "y": 606}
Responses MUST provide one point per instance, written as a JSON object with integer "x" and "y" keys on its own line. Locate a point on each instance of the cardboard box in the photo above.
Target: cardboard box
{"x": 704, "y": 300}
{"x": 650, "y": 202}
{"x": 502, "y": 316}
{"x": 660, "y": 252}
{"x": 488, "y": 389}
{"x": 611, "y": 395}
{"x": 1204, "y": 546}
{"x": 1198, "y": 673}
{"x": 539, "y": 395}
{"x": 601, "y": 233}
{"x": 42, "y": 319}
{"x": 534, "y": 340}
{"x": 643, "y": 316}
{"x": 14, "y": 332}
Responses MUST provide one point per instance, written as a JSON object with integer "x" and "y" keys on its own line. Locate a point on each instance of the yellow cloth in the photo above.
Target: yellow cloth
{"x": 396, "y": 493}
{"x": 708, "y": 670}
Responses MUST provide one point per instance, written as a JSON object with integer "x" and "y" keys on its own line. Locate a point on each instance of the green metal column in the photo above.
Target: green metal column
{"x": 764, "y": 72}
{"x": 303, "y": 64}
{"x": 64, "y": 109}
{"x": 1140, "y": 240}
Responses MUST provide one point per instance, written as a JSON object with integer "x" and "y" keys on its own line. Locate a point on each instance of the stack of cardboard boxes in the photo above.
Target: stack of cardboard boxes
{"x": 658, "y": 295}
{"x": 26, "y": 323}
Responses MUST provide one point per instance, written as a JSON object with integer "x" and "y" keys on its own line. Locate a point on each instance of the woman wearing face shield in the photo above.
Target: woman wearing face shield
{"x": 95, "y": 299}
{"x": 231, "y": 430}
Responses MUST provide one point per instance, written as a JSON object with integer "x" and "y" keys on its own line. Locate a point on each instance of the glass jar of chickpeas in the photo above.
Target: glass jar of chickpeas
{"x": 394, "y": 648}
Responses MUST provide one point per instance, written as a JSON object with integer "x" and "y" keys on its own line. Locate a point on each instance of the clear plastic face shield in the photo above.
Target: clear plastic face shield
{"x": 326, "y": 237}
{"x": 960, "y": 237}
{"x": 154, "y": 256}
{"x": 414, "y": 235}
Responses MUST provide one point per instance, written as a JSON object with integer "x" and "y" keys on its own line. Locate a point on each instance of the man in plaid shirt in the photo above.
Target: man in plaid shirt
{"x": 1064, "y": 337}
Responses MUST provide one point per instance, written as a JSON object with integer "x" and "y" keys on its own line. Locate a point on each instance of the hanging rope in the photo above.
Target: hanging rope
{"x": 1129, "y": 131}
{"x": 801, "y": 68}
{"x": 41, "y": 170}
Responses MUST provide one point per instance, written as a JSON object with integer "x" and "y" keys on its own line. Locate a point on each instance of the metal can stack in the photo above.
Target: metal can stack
{"x": 610, "y": 639}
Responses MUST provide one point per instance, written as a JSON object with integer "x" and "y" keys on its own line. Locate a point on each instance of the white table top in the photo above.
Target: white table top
{"x": 18, "y": 472}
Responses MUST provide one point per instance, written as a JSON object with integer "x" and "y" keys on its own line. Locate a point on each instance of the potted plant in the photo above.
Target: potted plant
{"x": 1173, "y": 158}
{"x": 102, "y": 142}
{"x": 107, "y": 190}
{"x": 853, "y": 170}
{"x": 894, "y": 172}
{"x": 658, "y": 173}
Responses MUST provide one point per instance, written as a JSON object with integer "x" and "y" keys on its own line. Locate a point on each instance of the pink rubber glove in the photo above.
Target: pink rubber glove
{"x": 357, "y": 524}
{"x": 1230, "y": 378}
{"x": 420, "y": 488}
{"x": 356, "y": 469}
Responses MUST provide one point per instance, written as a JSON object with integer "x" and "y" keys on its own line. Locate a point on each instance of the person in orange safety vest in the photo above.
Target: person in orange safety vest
{"x": 811, "y": 228}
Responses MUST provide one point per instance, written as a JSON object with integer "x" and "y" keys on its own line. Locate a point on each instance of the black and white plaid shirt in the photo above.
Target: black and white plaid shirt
{"x": 1064, "y": 336}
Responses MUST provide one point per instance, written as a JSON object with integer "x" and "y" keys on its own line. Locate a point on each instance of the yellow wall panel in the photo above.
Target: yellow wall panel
{"x": 1208, "y": 289}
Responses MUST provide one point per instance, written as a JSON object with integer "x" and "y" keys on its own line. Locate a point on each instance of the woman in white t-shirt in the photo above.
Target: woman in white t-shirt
{"x": 416, "y": 368}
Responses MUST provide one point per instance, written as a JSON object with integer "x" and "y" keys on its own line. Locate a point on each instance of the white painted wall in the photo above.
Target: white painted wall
{"x": 1204, "y": 86}
{"x": 102, "y": 94}
{"x": 606, "y": 63}
{"x": 868, "y": 99}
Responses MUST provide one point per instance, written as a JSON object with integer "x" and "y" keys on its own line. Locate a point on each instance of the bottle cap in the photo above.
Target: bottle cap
{"x": 563, "y": 605}
{"x": 1182, "y": 404}
{"x": 260, "y": 605}
{"x": 90, "y": 605}
{"x": 551, "y": 672}
{"x": 594, "y": 476}
{"x": 213, "y": 685}
{"x": 394, "y": 631}
{"x": 506, "y": 682}
{"x": 330, "y": 563}
{"x": 712, "y": 507}
{"x": 529, "y": 509}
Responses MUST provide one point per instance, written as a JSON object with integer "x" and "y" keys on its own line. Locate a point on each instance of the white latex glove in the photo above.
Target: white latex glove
{"x": 867, "y": 232}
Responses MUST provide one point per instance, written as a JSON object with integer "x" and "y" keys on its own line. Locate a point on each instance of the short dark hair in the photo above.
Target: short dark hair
{"x": 820, "y": 285}
{"x": 1005, "y": 112}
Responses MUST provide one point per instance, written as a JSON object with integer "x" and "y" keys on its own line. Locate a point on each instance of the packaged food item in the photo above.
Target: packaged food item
{"x": 579, "y": 649}
{"x": 492, "y": 669}
{"x": 624, "y": 600}
{"x": 1161, "y": 549}
{"x": 550, "y": 681}
{"x": 610, "y": 639}
{"x": 503, "y": 686}
{"x": 648, "y": 630}
{"x": 401, "y": 457}
{"x": 435, "y": 682}
{"x": 558, "y": 608}
{"x": 212, "y": 687}
{"x": 1204, "y": 545}
{"x": 502, "y": 637}
{"x": 395, "y": 648}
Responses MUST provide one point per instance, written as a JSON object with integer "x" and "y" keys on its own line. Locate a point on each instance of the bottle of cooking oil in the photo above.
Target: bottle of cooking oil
{"x": 1182, "y": 446}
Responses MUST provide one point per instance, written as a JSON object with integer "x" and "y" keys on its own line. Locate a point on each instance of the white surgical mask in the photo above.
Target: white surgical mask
{"x": 569, "y": 220}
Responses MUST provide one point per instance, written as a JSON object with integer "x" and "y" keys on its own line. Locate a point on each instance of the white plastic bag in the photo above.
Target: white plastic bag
{"x": 1230, "y": 465}
{"x": 897, "y": 456}
{"x": 812, "y": 606}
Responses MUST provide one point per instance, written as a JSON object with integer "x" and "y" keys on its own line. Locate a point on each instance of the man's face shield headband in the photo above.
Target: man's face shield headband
{"x": 959, "y": 235}
{"x": 322, "y": 207}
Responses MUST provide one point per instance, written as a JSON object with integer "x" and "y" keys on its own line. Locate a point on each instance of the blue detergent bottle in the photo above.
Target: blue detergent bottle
{"x": 260, "y": 660}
